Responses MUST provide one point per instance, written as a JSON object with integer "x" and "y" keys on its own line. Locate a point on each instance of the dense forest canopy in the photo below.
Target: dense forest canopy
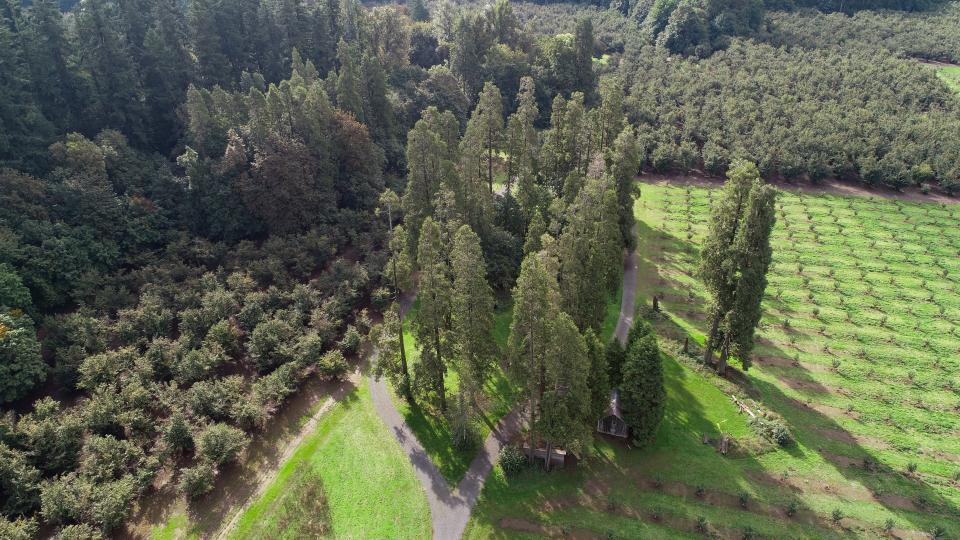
{"x": 198, "y": 200}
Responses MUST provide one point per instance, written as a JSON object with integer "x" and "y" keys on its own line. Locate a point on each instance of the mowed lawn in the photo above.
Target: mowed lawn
{"x": 858, "y": 351}
{"x": 349, "y": 479}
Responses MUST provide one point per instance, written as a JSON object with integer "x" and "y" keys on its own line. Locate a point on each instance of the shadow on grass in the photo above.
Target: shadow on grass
{"x": 915, "y": 503}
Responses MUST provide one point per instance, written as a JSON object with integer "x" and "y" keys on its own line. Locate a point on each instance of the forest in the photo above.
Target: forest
{"x": 204, "y": 204}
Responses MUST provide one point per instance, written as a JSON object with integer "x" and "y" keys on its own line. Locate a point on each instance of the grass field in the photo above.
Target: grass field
{"x": 858, "y": 352}
{"x": 349, "y": 479}
{"x": 951, "y": 76}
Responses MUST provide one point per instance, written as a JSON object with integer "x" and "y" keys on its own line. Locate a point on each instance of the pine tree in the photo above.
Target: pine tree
{"x": 583, "y": 65}
{"x": 610, "y": 117}
{"x": 431, "y": 322}
{"x": 483, "y": 138}
{"x": 565, "y": 406}
{"x": 598, "y": 379}
{"x": 213, "y": 65}
{"x": 399, "y": 268}
{"x": 472, "y": 311}
{"x": 590, "y": 250}
{"x": 391, "y": 359}
{"x": 642, "y": 393}
{"x": 105, "y": 54}
{"x": 432, "y": 152}
{"x": 535, "y": 307}
{"x": 623, "y": 162}
{"x": 522, "y": 147}
{"x": 56, "y": 82}
{"x": 349, "y": 92}
{"x": 535, "y": 231}
{"x": 167, "y": 69}
{"x": 24, "y": 130}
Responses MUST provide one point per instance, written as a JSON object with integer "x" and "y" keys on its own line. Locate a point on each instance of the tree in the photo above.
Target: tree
{"x": 598, "y": 377}
{"x": 583, "y": 66}
{"x": 590, "y": 250}
{"x": 535, "y": 308}
{"x": 418, "y": 11}
{"x": 623, "y": 162}
{"x": 431, "y": 156}
{"x": 471, "y": 311}
{"x": 349, "y": 91}
{"x": 271, "y": 344}
{"x": 735, "y": 260}
{"x": 430, "y": 325}
{"x": 754, "y": 254}
{"x": 535, "y": 231}
{"x": 642, "y": 393}
{"x": 566, "y": 405}
{"x": 398, "y": 265}
{"x": 19, "y": 483}
{"x": 21, "y": 366}
{"x": 521, "y": 143}
{"x": 219, "y": 443}
{"x": 471, "y": 40}
{"x": 483, "y": 138}
{"x": 609, "y": 115}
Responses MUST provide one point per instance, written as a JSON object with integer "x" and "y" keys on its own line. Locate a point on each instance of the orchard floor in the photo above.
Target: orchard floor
{"x": 858, "y": 352}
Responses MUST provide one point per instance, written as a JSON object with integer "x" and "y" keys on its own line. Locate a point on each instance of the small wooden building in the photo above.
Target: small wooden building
{"x": 612, "y": 422}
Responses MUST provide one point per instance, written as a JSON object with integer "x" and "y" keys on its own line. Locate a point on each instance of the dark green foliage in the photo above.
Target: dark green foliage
{"x": 219, "y": 443}
{"x": 511, "y": 460}
{"x": 642, "y": 392}
{"x": 19, "y": 483}
{"x": 21, "y": 366}
{"x": 18, "y": 529}
{"x": 197, "y": 480}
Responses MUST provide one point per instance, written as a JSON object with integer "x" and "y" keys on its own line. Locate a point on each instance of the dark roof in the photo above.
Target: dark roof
{"x": 614, "y": 408}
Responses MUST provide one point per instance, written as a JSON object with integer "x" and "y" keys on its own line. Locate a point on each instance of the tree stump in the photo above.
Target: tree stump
{"x": 656, "y": 304}
{"x": 725, "y": 445}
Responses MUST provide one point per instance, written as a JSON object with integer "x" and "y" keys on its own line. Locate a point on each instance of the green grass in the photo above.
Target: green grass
{"x": 349, "y": 479}
{"x": 951, "y": 76}
{"x": 883, "y": 388}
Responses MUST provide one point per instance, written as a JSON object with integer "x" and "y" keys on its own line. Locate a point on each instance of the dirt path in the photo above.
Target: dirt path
{"x": 450, "y": 509}
{"x": 266, "y": 477}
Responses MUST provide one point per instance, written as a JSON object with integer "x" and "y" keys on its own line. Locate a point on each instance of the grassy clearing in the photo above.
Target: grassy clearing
{"x": 951, "y": 76}
{"x": 858, "y": 351}
{"x": 349, "y": 479}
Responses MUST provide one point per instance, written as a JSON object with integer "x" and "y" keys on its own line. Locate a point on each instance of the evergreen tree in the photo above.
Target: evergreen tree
{"x": 431, "y": 324}
{"x": 609, "y": 118}
{"x": 213, "y": 64}
{"x": 471, "y": 40}
{"x": 598, "y": 379}
{"x": 535, "y": 308}
{"x": 535, "y": 231}
{"x": 167, "y": 69}
{"x": 483, "y": 138}
{"x": 615, "y": 355}
{"x": 521, "y": 144}
{"x": 472, "y": 311}
{"x": 57, "y": 84}
{"x": 105, "y": 54}
{"x": 623, "y": 162}
{"x": 754, "y": 254}
{"x": 432, "y": 152}
{"x": 349, "y": 91}
{"x": 735, "y": 260}
{"x": 418, "y": 11}
{"x": 642, "y": 393}
{"x": 583, "y": 64}
{"x": 565, "y": 406}
{"x": 590, "y": 250}
{"x": 391, "y": 359}
{"x": 399, "y": 268}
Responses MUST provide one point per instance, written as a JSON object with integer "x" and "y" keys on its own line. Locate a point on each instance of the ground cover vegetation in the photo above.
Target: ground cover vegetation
{"x": 854, "y": 360}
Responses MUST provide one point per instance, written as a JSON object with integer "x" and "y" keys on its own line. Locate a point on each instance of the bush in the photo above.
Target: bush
{"x": 351, "y": 340}
{"x": 197, "y": 480}
{"x": 220, "y": 443}
{"x": 271, "y": 344}
{"x": 78, "y": 532}
{"x": 20, "y": 529}
{"x": 19, "y": 483}
{"x": 332, "y": 365}
{"x": 512, "y": 460}
{"x": 836, "y": 516}
{"x": 772, "y": 428}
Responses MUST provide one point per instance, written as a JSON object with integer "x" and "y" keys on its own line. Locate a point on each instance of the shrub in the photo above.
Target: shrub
{"x": 20, "y": 529}
{"x": 702, "y": 524}
{"x": 792, "y": 508}
{"x": 744, "y": 498}
{"x": 80, "y": 531}
{"x": 836, "y": 516}
{"x": 700, "y": 490}
{"x": 197, "y": 480}
{"x": 771, "y": 428}
{"x": 351, "y": 340}
{"x": 512, "y": 460}
{"x": 749, "y": 533}
{"x": 888, "y": 525}
{"x": 332, "y": 365}
{"x": 220, "y": 443}
{"x": 271, "y": 344}
{"x": 912, "y": 467}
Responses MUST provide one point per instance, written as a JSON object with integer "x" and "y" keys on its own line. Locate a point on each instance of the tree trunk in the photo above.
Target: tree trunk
{"x": 490, "y": 165}
{"x": 724, "y": 354}
{"x": 546, "y": 461}
{"x": 533, "y": 437}
{"x": 708, "y": 347}
{"x": 440, "y": 387}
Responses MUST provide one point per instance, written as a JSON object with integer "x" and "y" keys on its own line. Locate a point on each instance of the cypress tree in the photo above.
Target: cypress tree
{"x": 642, "y": 393}
{"x": 483, "y": 138}
{"x": 431, "y": 156}
{"x": 623, "y": 162}
{"x": 349, "y": 92}
{"x": 521, "y": 144}
{"x": 431, "y": 322}
{"x": 472, "y": 311}
{"x": 598, "y": 379}
{"x": 535, "y": 232}
{"x": 565, "y": 406}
